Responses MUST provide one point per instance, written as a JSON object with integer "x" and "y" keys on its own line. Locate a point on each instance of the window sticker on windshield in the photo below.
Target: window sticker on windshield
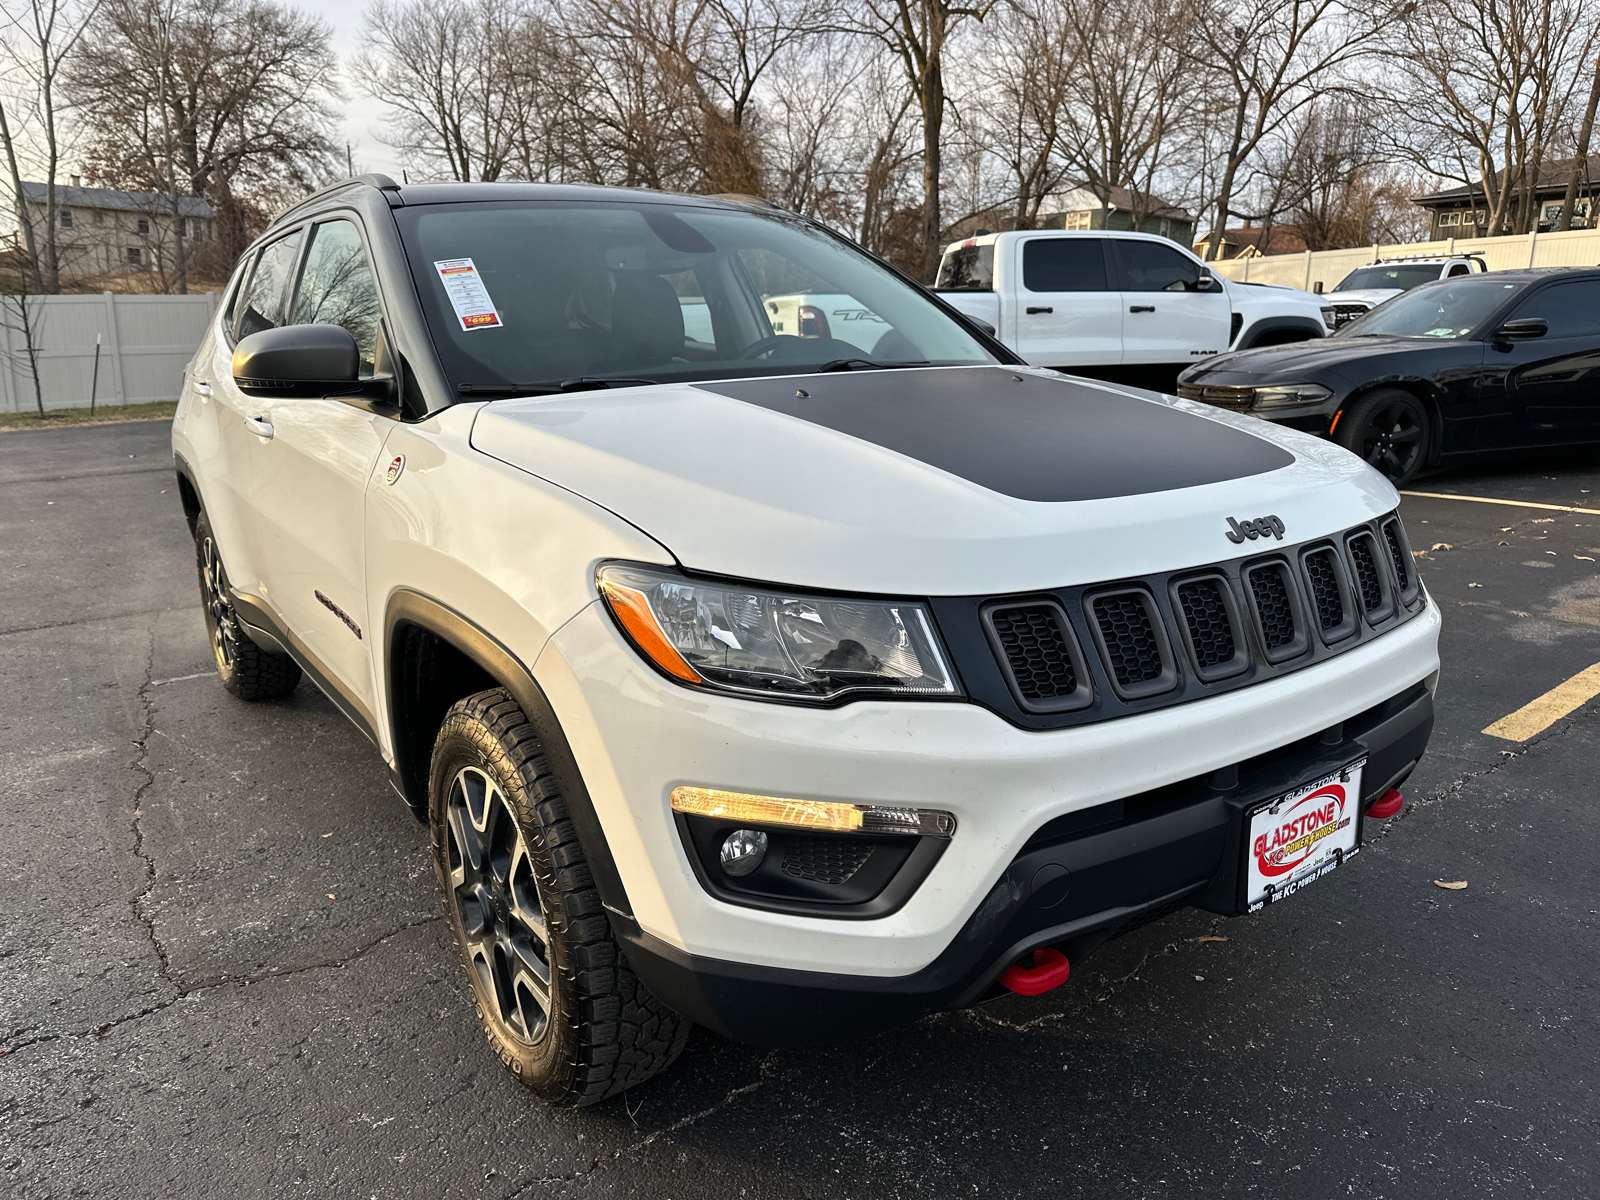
{"x": 468, "y": 296}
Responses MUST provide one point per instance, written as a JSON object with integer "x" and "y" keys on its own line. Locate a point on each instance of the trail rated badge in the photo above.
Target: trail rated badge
{"x": 396, "y": 465}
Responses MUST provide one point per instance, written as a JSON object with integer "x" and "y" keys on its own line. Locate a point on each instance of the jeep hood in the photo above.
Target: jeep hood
{"x": 939, "y": 481}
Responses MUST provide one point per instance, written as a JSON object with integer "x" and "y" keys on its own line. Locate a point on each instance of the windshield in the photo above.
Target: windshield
{"x": 1451, "y": 308}
{"x": 1389, "y": 275}
{"x": 541, "y": 294}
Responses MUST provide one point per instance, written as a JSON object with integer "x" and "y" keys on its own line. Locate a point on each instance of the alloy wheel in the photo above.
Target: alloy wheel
{"x": 496, "y": 893}
{"x": 1392, "y": 438}
{"x": 220, "y": 616}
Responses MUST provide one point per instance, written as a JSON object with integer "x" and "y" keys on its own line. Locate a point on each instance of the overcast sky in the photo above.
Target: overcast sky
{"x": 363, "y": 116}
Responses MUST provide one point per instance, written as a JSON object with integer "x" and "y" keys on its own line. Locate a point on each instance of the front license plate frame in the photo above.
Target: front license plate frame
{"x": 1299, "y": 836}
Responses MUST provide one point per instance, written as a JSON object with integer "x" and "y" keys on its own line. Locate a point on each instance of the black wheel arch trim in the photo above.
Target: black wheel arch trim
{"x": 1250, "y": 335}
{"x": 412, "y": 609}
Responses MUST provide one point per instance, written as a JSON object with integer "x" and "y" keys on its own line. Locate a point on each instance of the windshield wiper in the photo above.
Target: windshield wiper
{"x": 581, "y": 383}
{"x": 851, "y": 364}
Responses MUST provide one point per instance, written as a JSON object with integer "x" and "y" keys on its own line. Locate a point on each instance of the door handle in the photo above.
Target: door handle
{"x": 1034, "y": 309}
{"x": 1141, "y": 308}
{"x": 203, "y": 387}
{"x": 260, "y": 426}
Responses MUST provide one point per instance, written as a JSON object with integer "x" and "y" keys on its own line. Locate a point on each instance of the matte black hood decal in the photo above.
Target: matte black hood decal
{"x": 1050, "y": 440}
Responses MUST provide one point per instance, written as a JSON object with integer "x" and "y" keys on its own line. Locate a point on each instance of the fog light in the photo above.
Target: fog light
{"x": 743, "y": 851}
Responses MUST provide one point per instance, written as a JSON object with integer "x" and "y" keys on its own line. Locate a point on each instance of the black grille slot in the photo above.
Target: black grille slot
{"x": 1322, "y": 569}
{"x": 1134, "y": 644}
{"x": 1269, "y": 588}
{"x": 1130, "y": 639}
{"x": 1404, "y": 571}
{"x": 1037, "y": 650}
{"x": 1368, "y": 579}
{"x": 1206, "y": 615}
{"x": 824, "y": 860}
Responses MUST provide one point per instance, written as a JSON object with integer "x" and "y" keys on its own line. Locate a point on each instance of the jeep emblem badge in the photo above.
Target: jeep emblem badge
{"x": 1258, "y": 528}
{"x": 399, "y": 464}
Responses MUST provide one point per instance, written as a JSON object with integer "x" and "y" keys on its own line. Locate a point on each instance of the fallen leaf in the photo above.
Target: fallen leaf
{"x": 1474, "y": 585}
{"x": 1551, "y": 553}
{"x": 1583, "y": 558}
{"x": 1516, "y": 612}
{"x": 1507, "y": 528}
{"x": 1419, "y": 554}
{"x": 331, "y": 896}
{"x": 1544, "y": 520}
{"x": 1505, "y": 543}
{"x": 1211, "y": 938}
{"x": 327, "y": 835}
{"x": 1199, "y": 978}
{"x": 1454, "y": 885}
{"x": 1440, "y": 546}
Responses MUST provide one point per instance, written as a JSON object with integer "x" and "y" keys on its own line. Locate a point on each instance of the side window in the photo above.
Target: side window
{"x": 1572, "y": 309}
{"x": 240, "y": 290}
{"x": 261, "y": 301}
{"x": 1064, "y": 265}
{"x": 1459, "y": 269}
{"x": 1151, "y": 267}
{"x": 968, "y": 269}
{"x": 336, "y": 288}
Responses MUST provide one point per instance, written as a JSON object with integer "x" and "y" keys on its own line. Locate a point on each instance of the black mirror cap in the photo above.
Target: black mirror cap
{"x": 297, "y": 361}
{"x": 1526, "y": 327}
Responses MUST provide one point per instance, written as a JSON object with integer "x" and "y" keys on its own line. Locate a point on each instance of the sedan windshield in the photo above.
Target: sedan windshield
{"x": 1389, "y": 275}
{"x": 1451, "y": 308}
{"x": 545, "y": 295}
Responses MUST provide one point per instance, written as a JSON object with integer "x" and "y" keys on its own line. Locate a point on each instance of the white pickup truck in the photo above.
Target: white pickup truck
{"x": 1133, "y": 307}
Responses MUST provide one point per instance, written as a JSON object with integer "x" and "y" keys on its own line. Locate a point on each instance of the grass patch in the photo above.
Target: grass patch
{"x": 104, "y": 414}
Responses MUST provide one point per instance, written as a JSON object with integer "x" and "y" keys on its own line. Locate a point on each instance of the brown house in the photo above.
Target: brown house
{"x": 1463, "y": 212}
{"x": 1253, "y": 241}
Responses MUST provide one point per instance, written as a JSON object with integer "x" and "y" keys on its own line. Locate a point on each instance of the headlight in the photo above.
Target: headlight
{"x": 777, "y": 644}
{"x": 1291, "y": 395}
{"x": 1330, "y": 317}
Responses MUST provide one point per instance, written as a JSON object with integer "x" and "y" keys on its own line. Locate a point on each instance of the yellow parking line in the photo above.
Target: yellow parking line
{"x": 1539, "y": 715}
{"x": 1593, "y": 512}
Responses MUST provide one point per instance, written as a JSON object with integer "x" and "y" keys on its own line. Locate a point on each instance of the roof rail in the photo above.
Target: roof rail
{"x": 1441, "y": 255}
{"x": 382, "y": 182}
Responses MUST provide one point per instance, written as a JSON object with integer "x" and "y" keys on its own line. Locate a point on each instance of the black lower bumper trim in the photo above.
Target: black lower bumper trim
{"x": 1079, "y": 881}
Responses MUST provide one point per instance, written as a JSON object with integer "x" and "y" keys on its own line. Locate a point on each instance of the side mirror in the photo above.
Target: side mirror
{"x": 1207, "y": 283}
{"x": 297, "y": 362}
{"x": 1522, "y": 328}
{"x": 984, "y": 325}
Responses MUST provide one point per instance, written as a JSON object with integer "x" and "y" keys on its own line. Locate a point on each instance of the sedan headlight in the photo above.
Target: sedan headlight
{"x": 1290, "y": 395}
{"x": 779, "y": 644}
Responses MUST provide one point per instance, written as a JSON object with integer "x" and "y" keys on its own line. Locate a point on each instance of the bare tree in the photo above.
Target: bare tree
{"x": 1580, "y": 161}
{"x": 21, "y": 311}
{"x": 1483, "y": 93}
{"x": 44, "y": 37}
{"x": 1269, "y": 59}
{"x": 221, "y": 99}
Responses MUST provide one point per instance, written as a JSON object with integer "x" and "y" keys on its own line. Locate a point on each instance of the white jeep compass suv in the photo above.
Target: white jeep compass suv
{"x": 796, "y": 686}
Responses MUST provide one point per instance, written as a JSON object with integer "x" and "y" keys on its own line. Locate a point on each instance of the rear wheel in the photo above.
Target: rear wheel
{"x": 1390, "y": 429}
{"x": 246, "y": 670}
{"x": 558, "y": 1001}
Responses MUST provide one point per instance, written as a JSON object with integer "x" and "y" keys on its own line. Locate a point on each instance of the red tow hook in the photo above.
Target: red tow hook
{"x": 1386, "y": 805}
{"x": 1050, "y": 969}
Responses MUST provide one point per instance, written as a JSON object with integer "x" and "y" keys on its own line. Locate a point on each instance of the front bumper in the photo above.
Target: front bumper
{"x": 634, "y": 736}
{"x": 1078, "y": 881}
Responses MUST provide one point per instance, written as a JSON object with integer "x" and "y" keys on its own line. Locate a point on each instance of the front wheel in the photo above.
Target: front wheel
{"x": 560, "y": 1004}
{"x": 1390, "y": 429}
{"x": 246, "y": 669}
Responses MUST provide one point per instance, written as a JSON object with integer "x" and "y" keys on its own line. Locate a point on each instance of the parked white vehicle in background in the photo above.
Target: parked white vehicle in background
{"x": 1361, "y": 291}
{"x": 1133, "y": 307}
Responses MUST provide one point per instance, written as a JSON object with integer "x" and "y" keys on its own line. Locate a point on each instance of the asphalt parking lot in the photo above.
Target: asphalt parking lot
{"x": 223, "y": 970}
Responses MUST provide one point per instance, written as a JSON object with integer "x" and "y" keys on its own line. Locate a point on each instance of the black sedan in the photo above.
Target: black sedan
{"x": 1461, "y": 368}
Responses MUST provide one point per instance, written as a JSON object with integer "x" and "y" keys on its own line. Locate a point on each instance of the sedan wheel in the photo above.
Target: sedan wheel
{"x": 1390, "y": 429}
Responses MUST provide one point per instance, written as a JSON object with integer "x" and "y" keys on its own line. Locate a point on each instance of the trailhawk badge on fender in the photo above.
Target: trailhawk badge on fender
{"x": 1301, "y": 836}
{"x": 397, "y": 465}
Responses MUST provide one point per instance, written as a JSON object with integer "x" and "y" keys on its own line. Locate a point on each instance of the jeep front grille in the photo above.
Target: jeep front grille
{"x": 1168, "y": 638}
{"x": 1206, "y": 617}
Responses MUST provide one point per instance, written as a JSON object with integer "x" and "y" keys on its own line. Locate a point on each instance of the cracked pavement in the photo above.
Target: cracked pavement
{"x": 222, "y": 969}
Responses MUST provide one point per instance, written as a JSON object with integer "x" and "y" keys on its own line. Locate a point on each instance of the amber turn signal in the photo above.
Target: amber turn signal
{"x": 811, "y": 814}
{"x": 633, "y": 611}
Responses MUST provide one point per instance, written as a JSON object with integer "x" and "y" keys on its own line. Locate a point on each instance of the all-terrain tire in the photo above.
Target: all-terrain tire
{"x": 246, "y": 669}
{"x": 602, "y": 1031}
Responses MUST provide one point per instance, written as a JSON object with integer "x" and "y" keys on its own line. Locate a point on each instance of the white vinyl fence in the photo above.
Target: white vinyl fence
{"x": 145, "y": 342}
{"x": 1575, "y": 248}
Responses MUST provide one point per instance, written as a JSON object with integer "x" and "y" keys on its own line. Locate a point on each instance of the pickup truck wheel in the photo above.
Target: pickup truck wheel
{"x": 558, "y": 1001}
{"x": 1390, "y": 429}
{"x": 246, "y": 670}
